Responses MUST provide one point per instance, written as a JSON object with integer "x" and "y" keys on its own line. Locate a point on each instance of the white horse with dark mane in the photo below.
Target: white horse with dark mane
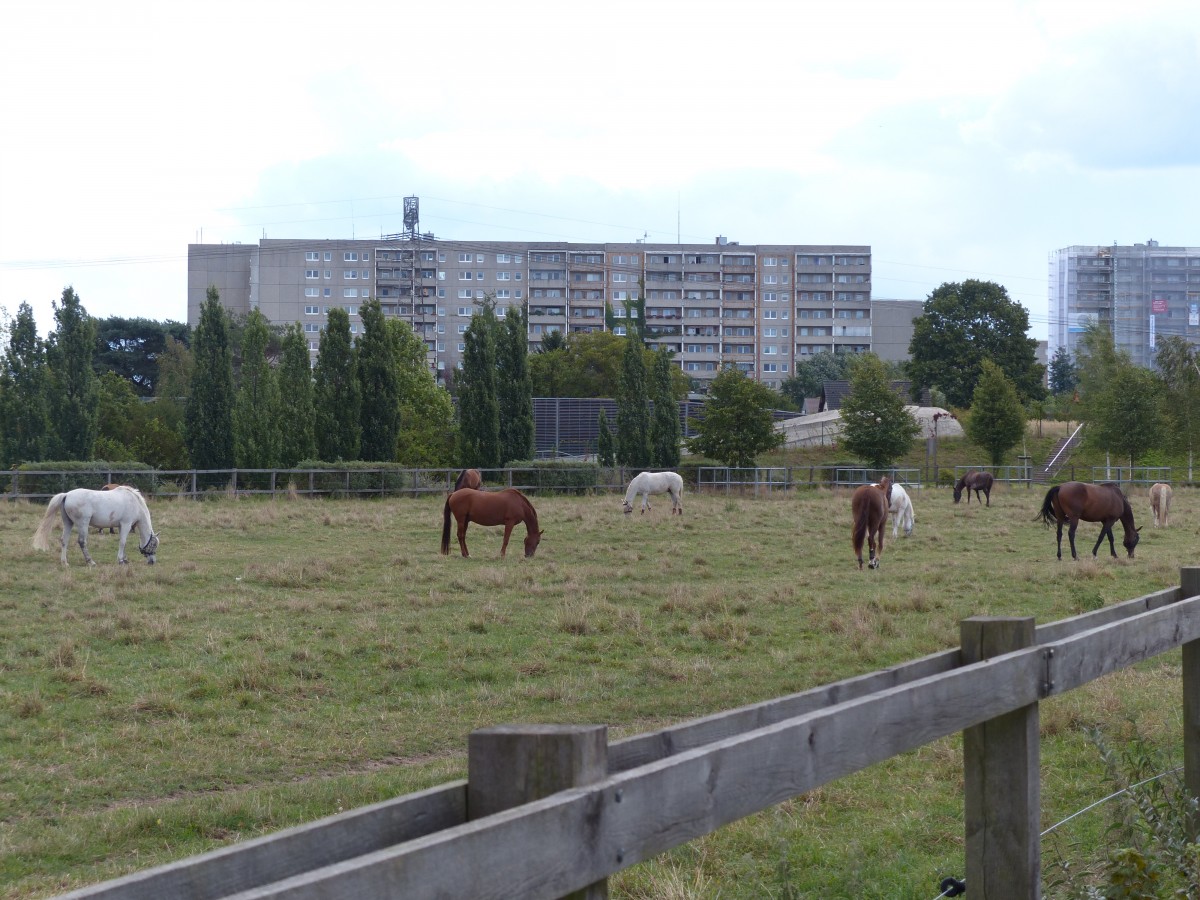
{"x": 121, "y": 507}
{"x": 655, "y": 483}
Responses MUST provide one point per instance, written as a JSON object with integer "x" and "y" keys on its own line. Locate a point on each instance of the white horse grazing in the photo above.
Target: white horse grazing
{"x": 655, "y": 483}
{"x": 1160, "y": 503}
{"x": 122, "y": 507}
{"x": 901, "y": 509}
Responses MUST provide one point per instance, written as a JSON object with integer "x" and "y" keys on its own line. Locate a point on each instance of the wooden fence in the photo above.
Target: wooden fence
{"x": 550, "y": 811}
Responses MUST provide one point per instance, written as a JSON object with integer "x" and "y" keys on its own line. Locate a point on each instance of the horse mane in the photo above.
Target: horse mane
{"x": 528, "y": 506}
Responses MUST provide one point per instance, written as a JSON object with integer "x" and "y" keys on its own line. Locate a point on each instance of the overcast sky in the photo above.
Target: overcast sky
{"x": 958, "y": 139}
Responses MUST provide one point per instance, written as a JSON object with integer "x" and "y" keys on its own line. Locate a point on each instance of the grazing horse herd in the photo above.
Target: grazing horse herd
{"x": 123, "y": 507}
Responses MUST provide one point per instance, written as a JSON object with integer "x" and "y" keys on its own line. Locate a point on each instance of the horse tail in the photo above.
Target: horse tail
{"x": 446, "y": 528}
{"x": 859, "y": 532}
{"x": 1046, "y": 514}
{"x": 41, "y": 537}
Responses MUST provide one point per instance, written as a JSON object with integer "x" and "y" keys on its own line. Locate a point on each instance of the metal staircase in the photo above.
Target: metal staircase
{"x": 1059, "y": 457}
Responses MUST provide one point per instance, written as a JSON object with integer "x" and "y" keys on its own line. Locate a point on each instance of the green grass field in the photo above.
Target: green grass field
{"x": 289, "y": 659}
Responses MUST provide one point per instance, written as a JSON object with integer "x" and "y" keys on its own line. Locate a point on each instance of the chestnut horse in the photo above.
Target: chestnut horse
{"x": 469, "y": 478}
{"x": 506, "y": 507}
{"x": 1160, "y": 503}
{"x": 1103, "y": 503}
{"x": 869, "y": 506}
{"x": 974, "y": 481}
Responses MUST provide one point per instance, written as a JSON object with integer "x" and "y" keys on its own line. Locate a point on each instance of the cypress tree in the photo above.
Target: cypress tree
{"x": 336, "y": 396}
{"x": 24, "y": 383}
{"x": 605, "y": 453}
{"x": 256, "y": 411}
{"x": 478, "y": 406}
{"x": 74, "y": 404}
{"x": 379, "y": 378}
{"x": 514, "y": 388}
{"x": 295, "y": 399}
{"x": 209, "y": 418}
{"x": 664, "y": 427}
{"x": 633, "y": 412}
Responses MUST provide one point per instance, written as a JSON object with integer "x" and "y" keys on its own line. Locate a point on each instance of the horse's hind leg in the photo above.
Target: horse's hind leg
{"x": 82, "y": 533}
{"x": 462, "y": 535}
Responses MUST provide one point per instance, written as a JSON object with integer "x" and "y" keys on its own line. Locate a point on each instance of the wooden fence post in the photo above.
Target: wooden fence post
{"x": 1189, "y": 586}
{"x": 509, "y": 765}
{"x": 1001, "y": 780}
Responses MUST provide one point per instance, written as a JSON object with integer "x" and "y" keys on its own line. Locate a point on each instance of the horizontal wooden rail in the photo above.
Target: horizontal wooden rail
{"x": 672, "y": 786}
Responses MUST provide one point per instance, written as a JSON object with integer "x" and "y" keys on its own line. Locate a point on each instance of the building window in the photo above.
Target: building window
{"x": 312, "y": 292}
{"x": 349, "y": 257}
{"x": 465, "y": 276}
{"x": 311, "y": 273}
{"x": 349, "y": 292}
{"x": 312, "y": 256}
{"x": 465, "y": 257}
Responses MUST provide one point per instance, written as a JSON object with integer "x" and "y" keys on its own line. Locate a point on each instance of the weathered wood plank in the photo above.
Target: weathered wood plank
{"x": 645, "y": 748}
{"x": 1189, "y": 584}
{"x": 1086, "y": 656}
{"x": 553, "y": 846}
{"x": 288, "y": 853}
{"x": 1001, "y": 778}
{"x": 655, "y": 745}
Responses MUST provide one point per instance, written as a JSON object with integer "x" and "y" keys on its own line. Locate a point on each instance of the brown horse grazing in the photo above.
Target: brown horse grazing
{"x": 1092, "y": 503}
{"x": 469, "y": 478}
{"x": 506, "y": 507}
{"x": 974, "y": 481}
{"x": 1160, "y": 503}
{"x": 869, "y": 506}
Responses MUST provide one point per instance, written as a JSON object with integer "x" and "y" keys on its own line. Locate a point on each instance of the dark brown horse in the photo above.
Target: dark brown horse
{"x": 977, "y": 482}
{"x": 1103, "y": 503}
{"x": 469, "y": 478}
{"x": 506, "y": 507}
{"x": 869, "y": 506}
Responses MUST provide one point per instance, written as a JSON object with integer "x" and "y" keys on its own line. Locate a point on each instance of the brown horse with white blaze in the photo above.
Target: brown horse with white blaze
{"x": 507, "y": 507}
{"x": 1104, "y": 503}
{"x": 869, "y": 506}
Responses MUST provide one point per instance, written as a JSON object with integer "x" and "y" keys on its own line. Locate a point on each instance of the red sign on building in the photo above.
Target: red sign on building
{"x": 1158, "y": 306}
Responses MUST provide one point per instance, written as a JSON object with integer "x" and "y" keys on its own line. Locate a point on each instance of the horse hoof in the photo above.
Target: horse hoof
{"x": 874, "y": 564}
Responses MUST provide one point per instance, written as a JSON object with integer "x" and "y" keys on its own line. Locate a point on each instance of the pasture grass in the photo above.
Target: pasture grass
{"x": 290, "y": 658}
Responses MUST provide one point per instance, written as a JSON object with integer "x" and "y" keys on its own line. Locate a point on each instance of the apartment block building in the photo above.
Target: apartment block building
{"x": 759, "y": 307}
{"x": 1141, "y": 292}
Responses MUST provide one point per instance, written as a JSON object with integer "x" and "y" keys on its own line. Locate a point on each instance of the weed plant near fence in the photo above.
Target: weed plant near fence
{"x": 289, "y": 658}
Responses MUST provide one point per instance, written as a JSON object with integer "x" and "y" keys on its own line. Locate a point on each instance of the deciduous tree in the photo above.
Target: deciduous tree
{"x": 876, "y": 426}
{"x": 997, "y": 419}
{"x": 737, "y": 424}
{"x": 962, "y": 325}
{"x": 427, "y": 434}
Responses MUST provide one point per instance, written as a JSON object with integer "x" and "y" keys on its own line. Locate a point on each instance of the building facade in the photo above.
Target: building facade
{"x": 1140, "y": 292}
{"x": 760, "y": 307}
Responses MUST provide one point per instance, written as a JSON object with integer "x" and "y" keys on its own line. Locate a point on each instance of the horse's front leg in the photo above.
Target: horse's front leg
{"x": 1106, "y": 529}
{"x": 121, "y": 558}
{"x": 462, "y": 536}
{"x": 508, "y": 527}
